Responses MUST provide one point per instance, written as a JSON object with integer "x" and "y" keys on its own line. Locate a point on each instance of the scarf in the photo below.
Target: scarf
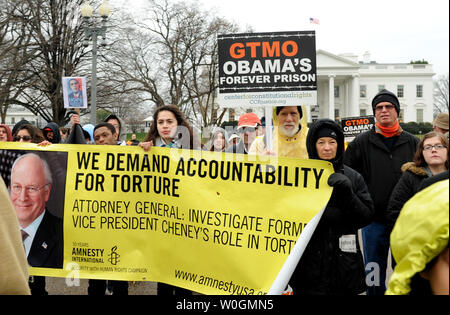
{"x": 159, "y": 142}
{"x": 389, "y": 132}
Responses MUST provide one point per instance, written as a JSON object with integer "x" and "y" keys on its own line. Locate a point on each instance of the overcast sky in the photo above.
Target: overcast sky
{"x": 396, "y": 31}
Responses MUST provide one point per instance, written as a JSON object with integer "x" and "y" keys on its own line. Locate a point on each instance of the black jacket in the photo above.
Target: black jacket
{"x": 407, "y": 186}
{"x": 433, "y": 180}
{"x": 76, "y": 136}
{"x": 324, "y": 267}
{"x": 237, "y": 148}
{"x": 47, "y": 248}
{"x": 380, "y": 168}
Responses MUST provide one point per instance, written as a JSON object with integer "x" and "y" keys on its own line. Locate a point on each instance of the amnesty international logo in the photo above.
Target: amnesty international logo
{"x": 114, "y": 256}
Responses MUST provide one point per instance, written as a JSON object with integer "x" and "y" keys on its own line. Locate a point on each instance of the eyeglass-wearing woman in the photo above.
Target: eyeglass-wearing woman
{"x": 431, "y": 159}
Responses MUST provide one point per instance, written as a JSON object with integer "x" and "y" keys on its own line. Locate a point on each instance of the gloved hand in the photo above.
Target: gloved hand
{"x": 342, "y": 185}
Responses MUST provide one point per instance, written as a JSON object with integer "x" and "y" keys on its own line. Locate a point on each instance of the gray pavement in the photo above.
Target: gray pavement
{"x": 58, "y": 286}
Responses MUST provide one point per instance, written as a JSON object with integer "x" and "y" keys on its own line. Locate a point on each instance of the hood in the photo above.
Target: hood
{"x": 303, "y": 121}
{"x": 419, "y": 235}
{"x": 8, "y": 132}
{"x": 55, "y": 129}
{"x": 90, "y": 129}
{"x": 413, "y": 168}
{"x": 217, "y": 130}
{"x": 338, "y": 161}
{"x": 19, "y": 124}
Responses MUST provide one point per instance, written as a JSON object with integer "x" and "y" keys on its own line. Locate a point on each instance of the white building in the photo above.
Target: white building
{"x": 351, "y": 85}
{"x": 17, "y": 113}
{"x": 346, "y": 87}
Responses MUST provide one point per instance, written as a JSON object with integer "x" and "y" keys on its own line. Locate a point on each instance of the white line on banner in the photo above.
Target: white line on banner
{"x": 264, "y": 36}
{"x": 298, "y": 88}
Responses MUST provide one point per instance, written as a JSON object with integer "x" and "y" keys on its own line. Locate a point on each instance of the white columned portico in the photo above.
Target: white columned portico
{"x": 331, "y": 96}
{"x": 354, "y": 109}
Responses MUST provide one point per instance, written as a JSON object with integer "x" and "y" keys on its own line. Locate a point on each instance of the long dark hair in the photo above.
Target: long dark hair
{"x": 419, "y": 160}
{"x": 187, "y": 142}
{"x": 35, "y": 133}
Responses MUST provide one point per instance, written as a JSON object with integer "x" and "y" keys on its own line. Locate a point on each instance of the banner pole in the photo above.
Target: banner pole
{"x": 285, "y": 274}
{"x": 269, "y": 129}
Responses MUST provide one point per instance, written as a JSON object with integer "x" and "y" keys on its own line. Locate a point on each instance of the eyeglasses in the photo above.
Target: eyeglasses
{"x": 31, "y": 190}
{"x": 18, "y": 138}
{"x": 381, "y": 107}
{"x": 247, "y": 129}
{"x": 436, "y": 146}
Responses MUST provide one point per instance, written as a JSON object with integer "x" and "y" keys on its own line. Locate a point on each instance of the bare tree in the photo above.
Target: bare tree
{"x": 441, "y": 94}
{"x": 14, "y": 55}
{"x": 55, "y": 45}
{"x": 171, "y": 58}
{"x": 203, "y": 82}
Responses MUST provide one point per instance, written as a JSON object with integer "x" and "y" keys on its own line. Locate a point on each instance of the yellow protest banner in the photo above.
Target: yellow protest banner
{"x": 211, "y": 222}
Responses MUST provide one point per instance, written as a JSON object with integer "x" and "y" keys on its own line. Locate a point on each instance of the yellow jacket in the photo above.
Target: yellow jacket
{"x": 420, "y": 234}
{"x": 282, "y": 145}
{"x": 13, "y": 264}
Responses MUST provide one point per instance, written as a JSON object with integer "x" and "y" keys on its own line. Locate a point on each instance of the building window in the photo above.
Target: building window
{"x": 419, "y": 114}
{"x": 381, "y": 88}
{"x": 336, "y": 114}
{"x": 362, "y": 91}
{"x": 336, "y": 91}
{"x": 13, "y": 120}
{"x": 363, "y": 112}
{"x": 400, "y": 91}
{"x": 419, "y": 90}
{"x": 401, "y": 115}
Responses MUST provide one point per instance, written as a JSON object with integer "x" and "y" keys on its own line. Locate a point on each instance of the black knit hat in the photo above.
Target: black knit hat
{"x": 386, "y": 96}
{"x": 325, "y": 132}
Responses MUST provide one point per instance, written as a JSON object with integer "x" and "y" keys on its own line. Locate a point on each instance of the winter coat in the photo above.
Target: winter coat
{"x": 283, "y": 145}
{"x": 407, "y": 186}
{"x": 76, "y": 136}
{"x": 380, "y": 168}
{"x": 237, "y": 148}
{"x": 420, "y": 235}
{"x": 332, "y": 263}
{"x": 13, "y": 263}
{"x": 433, "y": 180}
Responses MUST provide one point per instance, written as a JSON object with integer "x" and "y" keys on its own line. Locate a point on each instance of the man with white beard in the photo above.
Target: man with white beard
{"x": 289, "y": 135}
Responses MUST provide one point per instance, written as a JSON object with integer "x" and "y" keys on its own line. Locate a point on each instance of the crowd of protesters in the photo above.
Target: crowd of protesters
{"x": 388, "y": 183}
